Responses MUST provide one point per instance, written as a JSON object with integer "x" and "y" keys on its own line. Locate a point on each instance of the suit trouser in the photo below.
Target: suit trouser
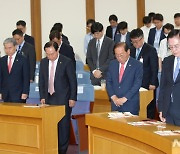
{"x": 63, "y": 126}
{"x": 173, "y": 115}
{"x": 151, "y": 108}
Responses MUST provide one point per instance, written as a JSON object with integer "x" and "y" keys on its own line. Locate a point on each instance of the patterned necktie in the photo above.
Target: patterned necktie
{"x": 176, "y": 72}
{"x": 19, "y": 49}
{"x": 51, "y": 79}
{"x": 137, "y": 53}
{"x": 98, "y": 52}
{"x": 10, "y": 64}
{"x": 121, "y": 72}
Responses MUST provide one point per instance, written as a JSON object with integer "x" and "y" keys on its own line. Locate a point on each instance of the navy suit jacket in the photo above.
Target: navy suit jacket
{"x": 29, "y": 51}
{"x": 29, "y": 39}
{"x": 15, "y": 83}
{"x": 67, "y": 51}
{"x": 168, "y": 87}
{"x": 118, "y": 38}
{"x": 109, "y": 32}
{"x": 151, "y": 36}
{"x": 128, "y": 87}
{"x": 65, "y": 83}
{"x": 150, "y": 64}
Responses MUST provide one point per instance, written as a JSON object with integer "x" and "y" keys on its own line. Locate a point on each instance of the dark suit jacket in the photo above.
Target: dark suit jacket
{"x": 128, "y": 87}
{"x": 29, "y": 51}
{"x": 168, "y": 87}
{"x": 150, "y": 64}
{"x": 15, "y": 83}
{"x": 151, "y": 36}
{"x": 118, "y": 39}
{"x": 65, "y": 39}
{"x": 65, "y": 83}
{"x": 105, "y": 56}
{"x": 67, "y": 51}
{"x": 109, "y": 32}
{"x": 29, "y": 39}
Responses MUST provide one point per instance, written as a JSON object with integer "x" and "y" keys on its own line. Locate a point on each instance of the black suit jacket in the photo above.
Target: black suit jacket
{"x": 65, "y": 39}
{"x": 150, "y": 64}
{"x": 168, "y": 87}
{"x": 109, "y": 32}
{"x": 29, "y": 39}
{"x": 151, "y": 36}
{"x": 67, "y": 51}
{"x": 29, "y": 51}
{"x": 65, "y": 83}
{"x": 15, "y": 83}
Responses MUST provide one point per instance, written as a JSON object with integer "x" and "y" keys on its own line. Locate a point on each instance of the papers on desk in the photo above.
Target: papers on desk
{"x": 114, "y": 115}
{"x": 168, "y": 132}
{"x": 146, "y": 123}
{"x": 36, "y": 105}
{"x": 142, "y": 89}
{"x": 97, "y": 87}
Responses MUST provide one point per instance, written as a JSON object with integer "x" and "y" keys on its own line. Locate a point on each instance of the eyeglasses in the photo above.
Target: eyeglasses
{"x": 175, "y": 47}
{"x": 136, "y": 41}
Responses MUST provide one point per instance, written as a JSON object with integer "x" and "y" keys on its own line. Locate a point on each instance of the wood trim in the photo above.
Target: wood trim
{"x": 140, "y": 12}
{"x": 90, "y": 9}
{"x": 36, "y": 26}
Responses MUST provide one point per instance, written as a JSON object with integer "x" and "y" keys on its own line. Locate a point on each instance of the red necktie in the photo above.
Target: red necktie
{"x": 51, "y": 79}
{"x": 121, "y": 72}
{"x": 10, "y": 64}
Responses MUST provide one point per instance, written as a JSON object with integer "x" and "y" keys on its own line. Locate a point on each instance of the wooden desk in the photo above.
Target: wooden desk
{"x": 29, "y": 130}
{"x": 115, "y": 136}
{"x": 102, "y": 104}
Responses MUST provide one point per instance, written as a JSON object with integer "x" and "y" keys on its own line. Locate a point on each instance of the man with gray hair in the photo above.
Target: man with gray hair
{"x": 14, "y": 74}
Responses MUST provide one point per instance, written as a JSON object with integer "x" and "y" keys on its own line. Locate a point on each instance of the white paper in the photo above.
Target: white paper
{"x": 80, "y": 76}
{"x": 80, "y": 90}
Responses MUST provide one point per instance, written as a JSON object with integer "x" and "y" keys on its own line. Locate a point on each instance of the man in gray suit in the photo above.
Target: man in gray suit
{"x": 27, "y": 50}
{"x": 99, "y": 53}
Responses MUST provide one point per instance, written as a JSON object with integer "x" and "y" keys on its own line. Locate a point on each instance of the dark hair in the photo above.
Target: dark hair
{"x": 168, "y": 26}
{"x": 158, "y": 16}
{"x": 151, "y": 15}
{"x": 21, "y": 22}
{"x": 113, "y": 17}
{"x": 57, "y": 26}
{"x": 120, "y": 44}
{"x": 17, "y": 32}
{"x": 51, "y": 44}
{"x": 174, "y": 33}
{"x": 90, "y": 21}
{"x": 135, "y": 33}
{"x": 176, "y": 15}
{"x": 122, "y": 25}
{"x": 96, "y": 27}
{"x": 146, "y": 20}
{"x": 54, "y": 34}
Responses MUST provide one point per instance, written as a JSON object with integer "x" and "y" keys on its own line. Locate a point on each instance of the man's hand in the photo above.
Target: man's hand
{"x": 97, "y": 74}
{"x": 152, "y": 87}
{"x": 121, "y": 101}
{"x": 0, "y": 96}
{"x": 161, "y": 117}
{"x": 24, "y": 96}
{"x": 43, "y": 101}
{"x": 71, "y": 103}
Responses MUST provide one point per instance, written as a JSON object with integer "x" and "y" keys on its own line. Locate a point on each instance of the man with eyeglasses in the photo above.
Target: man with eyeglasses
{"x": 169, "y": 96}
{"x": 146, "y": 54}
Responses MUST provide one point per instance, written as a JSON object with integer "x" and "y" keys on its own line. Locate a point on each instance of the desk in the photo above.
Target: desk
{"x": 115, "y": 136}
{"x": 102, "y": 104}
{"x": 31, "y": 130}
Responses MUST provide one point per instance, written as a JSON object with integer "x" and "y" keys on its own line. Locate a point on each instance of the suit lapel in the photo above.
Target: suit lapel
{"x": 127, "y": 69}
{"x": 57, "y": 71}
{"x": 15, "y": 63}
{"x": 102, "y": 46}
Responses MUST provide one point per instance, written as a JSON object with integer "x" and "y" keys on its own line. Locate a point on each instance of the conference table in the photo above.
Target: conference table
{"x": 116, "y": 136}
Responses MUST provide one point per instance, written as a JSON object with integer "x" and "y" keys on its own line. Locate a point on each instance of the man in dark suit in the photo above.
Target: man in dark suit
{"x": 146, "y": 54}
{"x": 169, "y": 95}
{"x": 58, "y": 86}
{"x": 156, "y": 34}
{"x": 22, "y": 26}
{"x": 112, "y": 29}
{"x": 64, "y": 49}
{"x": 14, "y": 74}
{"x": 124, "y": 79}
{"x": 27, "y": 50}
{"x": 99, "y": 53}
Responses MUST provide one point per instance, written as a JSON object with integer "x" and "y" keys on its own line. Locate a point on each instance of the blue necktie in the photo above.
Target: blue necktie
{"x": 19, "y": 49}
{"x": 137, "y": 53}
{"x": 176, "y": 72}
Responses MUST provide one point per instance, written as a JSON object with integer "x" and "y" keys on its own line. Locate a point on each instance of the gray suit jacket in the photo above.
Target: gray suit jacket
{"x": 29, "y": 51}
{"x": 105, "y": 56}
